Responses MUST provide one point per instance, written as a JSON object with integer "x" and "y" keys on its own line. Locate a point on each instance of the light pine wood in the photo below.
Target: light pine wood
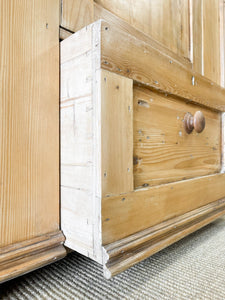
{"x": 101, "y": 13}
{"x": 101, "y": 218}
{"x": 76, "y": 14}
{"x": 117, "y": 133}
{"x": 126, "y": 214}
{"x": 29, "y": 112}
{"x": 125, "y": 253}
{"x": 64, "y": 33}
{"x": 29, "y": 132}
{"x": 222, "y": 39}
{"x": 211, "y": 40}
{"x": 207, "y": 39}
{"x": 223, "y": 143}
{"x": 165, "y": 21}
{"x": 163, "y": 151}
{"x": 153, "y": 68}
{"x": 197, "y": 36}
{"x": 20, "y": 258}
{"x": 189, "y": 29}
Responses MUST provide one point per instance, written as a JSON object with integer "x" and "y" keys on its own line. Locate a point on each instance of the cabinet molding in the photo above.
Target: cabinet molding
{"x": 26, "y": 256}
{"x": 126, "y": 252}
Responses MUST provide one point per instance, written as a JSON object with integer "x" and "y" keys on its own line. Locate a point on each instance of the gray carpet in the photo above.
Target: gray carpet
{"x": 193, "y": 268}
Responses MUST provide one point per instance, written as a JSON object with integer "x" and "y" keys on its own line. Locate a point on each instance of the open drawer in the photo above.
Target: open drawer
{"x": 141, "y": 147}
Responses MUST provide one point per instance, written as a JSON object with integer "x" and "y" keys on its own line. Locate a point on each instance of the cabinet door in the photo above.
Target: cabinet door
{"x": 29, "y": 136}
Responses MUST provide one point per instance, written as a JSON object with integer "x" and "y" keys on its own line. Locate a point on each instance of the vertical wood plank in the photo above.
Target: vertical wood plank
{"x": 223, "y": 143}
{"x": 222, "y": 41}
{"x": 76, "y": 14}
{"x": 76, "y": 132}
{"x": 211, "y": 40}
{"x": 29, "y": 119}
{"x": 117, "y": 133}
{"x": 197, "y": 35}
{"x": 207, "y": 41}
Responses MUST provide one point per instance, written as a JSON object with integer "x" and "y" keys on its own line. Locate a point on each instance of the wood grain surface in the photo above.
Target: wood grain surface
{"x": 126, "y": 214}
{"x": 126, "y": 252}
{"x": 76, "y": 14}
{"x": 193, "y": 30}
{"x": 94, "y": 83}
{"x": 117, "y": 133}
{"x": 165, "y": 21}
{"x": 29, "y": 119}
{"x": 163, "y": 151}
{"x": 20, "y": 258}
{"x": 207, "y": 43}
{"x": 143, "y": 63}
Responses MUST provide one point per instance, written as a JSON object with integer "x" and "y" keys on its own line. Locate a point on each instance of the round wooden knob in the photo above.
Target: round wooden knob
{"x": 197, "y": 122}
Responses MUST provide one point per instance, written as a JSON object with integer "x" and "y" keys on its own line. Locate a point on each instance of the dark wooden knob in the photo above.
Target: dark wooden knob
{"x": 197, "y": 122}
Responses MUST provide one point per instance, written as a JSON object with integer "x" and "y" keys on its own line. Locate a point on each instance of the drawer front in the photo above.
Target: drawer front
{"x": 163, "y": 151}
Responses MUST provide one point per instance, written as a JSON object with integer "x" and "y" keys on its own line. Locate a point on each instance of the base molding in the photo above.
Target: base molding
{"x": 123, "y": 254}
{"x": 23, "y": 257}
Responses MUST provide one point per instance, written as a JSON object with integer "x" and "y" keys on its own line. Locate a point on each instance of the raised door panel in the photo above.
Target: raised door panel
{"x": 29, "y": 119}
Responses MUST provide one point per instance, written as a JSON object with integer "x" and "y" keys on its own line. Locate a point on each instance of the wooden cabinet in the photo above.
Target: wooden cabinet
{"x": 133, "y": 179}
{"x": 29, "y": 136}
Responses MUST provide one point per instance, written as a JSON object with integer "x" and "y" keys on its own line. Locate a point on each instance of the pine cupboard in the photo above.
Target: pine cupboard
{"x": 134, "y": 158}
{"x": 142, "y": 131}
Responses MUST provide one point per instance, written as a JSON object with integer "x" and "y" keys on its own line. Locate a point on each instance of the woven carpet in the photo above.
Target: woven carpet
{"x": 193, "y": 268}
